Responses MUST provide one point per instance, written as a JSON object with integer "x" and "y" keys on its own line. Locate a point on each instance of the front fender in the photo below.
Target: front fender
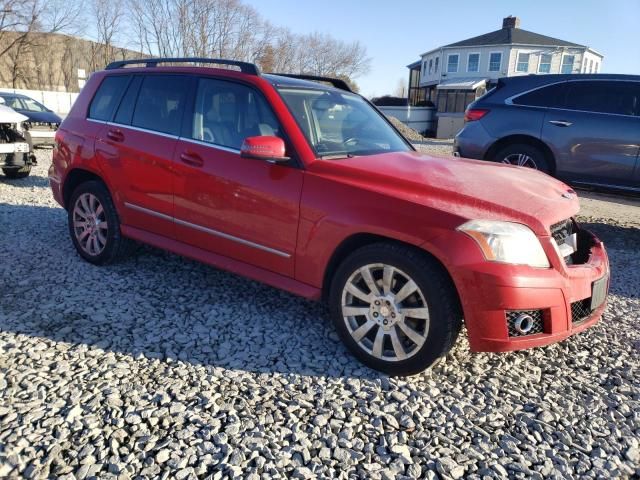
{"x": 331, "y": 212}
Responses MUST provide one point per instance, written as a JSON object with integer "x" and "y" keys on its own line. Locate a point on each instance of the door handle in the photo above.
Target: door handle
{"x": 192, "y": 159}
{"x": 115, "y": 135}
{"x": 560, "y": 123}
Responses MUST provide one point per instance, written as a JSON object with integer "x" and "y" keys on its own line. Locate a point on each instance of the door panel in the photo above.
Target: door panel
{"x": 596, "y": 135}
{"x": 137, "y": 148}
{"x": 593, "y": 147}
{"x": 242, "y": 208}
{"x": 139, "y": 165}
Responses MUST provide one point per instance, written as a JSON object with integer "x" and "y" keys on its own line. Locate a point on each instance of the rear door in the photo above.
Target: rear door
{"x": 596, "y": 134}
{"x": 238, "y": 207}
{"x": 136, "y": 149}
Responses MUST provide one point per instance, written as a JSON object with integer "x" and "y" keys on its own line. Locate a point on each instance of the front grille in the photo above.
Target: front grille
{"x": 580, "y": 311}
{"x": 536, "y": 315}
{"x": 42, "y": 127}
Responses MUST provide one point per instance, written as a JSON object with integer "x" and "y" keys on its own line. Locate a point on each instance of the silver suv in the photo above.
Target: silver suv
{"x": 584, "y": 129}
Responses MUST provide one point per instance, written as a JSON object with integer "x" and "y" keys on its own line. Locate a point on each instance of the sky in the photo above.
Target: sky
{"x": 395, "y": 33}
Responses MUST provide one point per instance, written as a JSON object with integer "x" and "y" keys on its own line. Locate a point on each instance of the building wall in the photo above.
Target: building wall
{"x": 463, "y": 72}
{"x": 55, "y": 62}
{"x": 509, "y": 61}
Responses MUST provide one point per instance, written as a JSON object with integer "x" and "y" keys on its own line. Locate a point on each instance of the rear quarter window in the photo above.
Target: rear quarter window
{"x": 549, "y": 97}
{"x": 107, "y": 97}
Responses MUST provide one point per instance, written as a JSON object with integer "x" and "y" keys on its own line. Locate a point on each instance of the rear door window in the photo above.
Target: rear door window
{"x": 599, "y": 96}
{"x": 549, "y": 97}
{"x": 160, "y": 103}
{"x": 128, "y": 103}
{"x": 107, "y": 97}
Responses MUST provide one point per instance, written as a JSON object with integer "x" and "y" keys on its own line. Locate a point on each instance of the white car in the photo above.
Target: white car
{"x": 16, "y": 158}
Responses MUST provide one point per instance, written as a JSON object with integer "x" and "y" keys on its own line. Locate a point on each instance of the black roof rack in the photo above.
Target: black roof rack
{"x": 336, "y": 82}
{"x": 245, "y": 67}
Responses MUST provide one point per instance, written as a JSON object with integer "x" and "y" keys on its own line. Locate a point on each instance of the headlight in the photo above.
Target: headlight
{"x": 506, "y": 242}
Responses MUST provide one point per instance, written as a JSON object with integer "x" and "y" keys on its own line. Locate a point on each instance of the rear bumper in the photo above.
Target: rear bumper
{"x": 14, "y": 155}
{"x": 488, "y": 291}
{"x": 473, "y": 141}
{"x": 41, "y": 137}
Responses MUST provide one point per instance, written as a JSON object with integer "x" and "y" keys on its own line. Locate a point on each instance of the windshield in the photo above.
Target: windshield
{"x": 32, "y": 106}
{"x": 339, "y": 125}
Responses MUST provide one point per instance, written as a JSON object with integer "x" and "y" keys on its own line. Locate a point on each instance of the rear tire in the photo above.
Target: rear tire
{"x": 523, "y": 155}
{"x": 14, "y": 173}
{"x": 395, "y": 308}
{"x": 94, "y": 225}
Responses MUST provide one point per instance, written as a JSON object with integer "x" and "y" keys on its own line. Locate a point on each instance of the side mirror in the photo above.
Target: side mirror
{"x": 269, "y": 148}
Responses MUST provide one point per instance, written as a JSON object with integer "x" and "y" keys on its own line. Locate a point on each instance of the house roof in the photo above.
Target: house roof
{"x": 462, "y": 84}
{"x": 506, "y": 36}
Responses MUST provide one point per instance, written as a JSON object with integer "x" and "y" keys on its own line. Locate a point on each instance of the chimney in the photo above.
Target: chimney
{"x": 511, "y": 22}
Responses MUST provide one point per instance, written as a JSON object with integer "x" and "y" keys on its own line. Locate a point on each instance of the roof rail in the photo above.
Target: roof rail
{"x": 336, "y": 82}
{"x": 245, "y": 67}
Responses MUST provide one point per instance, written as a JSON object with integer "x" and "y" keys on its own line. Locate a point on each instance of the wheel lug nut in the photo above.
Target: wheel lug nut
{"x": 375, "y": 314}
{"x": 377, "y": 302}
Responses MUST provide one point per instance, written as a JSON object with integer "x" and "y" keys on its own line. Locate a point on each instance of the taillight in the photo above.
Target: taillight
{"x": 475, "y": 114}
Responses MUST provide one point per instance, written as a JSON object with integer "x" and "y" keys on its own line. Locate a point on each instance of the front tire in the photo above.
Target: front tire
{"x": 395, "y": 308}
{"x": 94, "y": 225}
{"x": 523, "y": 155}
{"x": 15, "y": 173}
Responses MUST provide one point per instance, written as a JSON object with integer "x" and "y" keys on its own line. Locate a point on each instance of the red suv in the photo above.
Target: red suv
{"x": 307, "y": 187}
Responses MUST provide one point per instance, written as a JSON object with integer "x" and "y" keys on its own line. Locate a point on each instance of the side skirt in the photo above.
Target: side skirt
{"x": 225, "y": 263}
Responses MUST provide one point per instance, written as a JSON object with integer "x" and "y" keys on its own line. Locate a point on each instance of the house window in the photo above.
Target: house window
{"x": 495, "y": 62}
{"x": 591, "y": 70}
{"x": 523, "y": 62}
{"x": 567, "y": 63}
{"x": 473, "y": 62}
{"x": 430, "y": 65}
{"x": 596, "y": 67}
{"x": 452, "y": 63}
{"x": 455, "y": 101}
{"x": 436, "y": 64}
{"x": 545, "y": 63}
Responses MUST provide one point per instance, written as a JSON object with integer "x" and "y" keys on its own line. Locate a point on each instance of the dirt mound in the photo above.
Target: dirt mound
{"x": 408, "y": 132}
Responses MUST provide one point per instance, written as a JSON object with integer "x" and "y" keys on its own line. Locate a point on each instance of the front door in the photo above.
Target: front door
{"x": 596, "y": 136}
{"x": 241, "y": 208}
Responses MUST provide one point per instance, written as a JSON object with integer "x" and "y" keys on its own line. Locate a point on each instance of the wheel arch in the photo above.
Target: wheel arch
{"x": 359, "y": 240}
{"x": 526, "y": 139}
{"x": 76, "y": 177}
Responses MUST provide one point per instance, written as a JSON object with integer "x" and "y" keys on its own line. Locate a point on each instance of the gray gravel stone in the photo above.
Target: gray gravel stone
{"x": 159, "y": 367}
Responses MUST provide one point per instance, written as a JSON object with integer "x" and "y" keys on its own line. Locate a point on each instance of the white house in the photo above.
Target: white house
{"x": 453, "y": 75}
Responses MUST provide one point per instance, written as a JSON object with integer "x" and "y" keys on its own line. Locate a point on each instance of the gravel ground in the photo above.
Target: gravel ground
{"x": 160, "y": 367}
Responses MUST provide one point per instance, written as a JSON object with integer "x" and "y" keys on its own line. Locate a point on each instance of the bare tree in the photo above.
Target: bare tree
{"x": 401, "y": 88}
{"x": 231, "y": 29}
{"x": 30, "y": 16}
{"x": 108, "y": 15}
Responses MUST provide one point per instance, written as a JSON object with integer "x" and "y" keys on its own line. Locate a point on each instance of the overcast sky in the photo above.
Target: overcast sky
{"x": 395, "y": 33}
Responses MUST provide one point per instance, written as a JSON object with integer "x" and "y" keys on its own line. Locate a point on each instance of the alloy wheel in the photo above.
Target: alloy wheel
{"x": 521, "y": 160}
{"x": 90, "y": 224}
{"x": 385, "y": 312}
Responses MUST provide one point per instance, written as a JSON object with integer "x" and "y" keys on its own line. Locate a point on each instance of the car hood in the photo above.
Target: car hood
{"x": 44, "y": 117}
{"x": 9, "y": 115}
{"x": 469, "y": 189}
